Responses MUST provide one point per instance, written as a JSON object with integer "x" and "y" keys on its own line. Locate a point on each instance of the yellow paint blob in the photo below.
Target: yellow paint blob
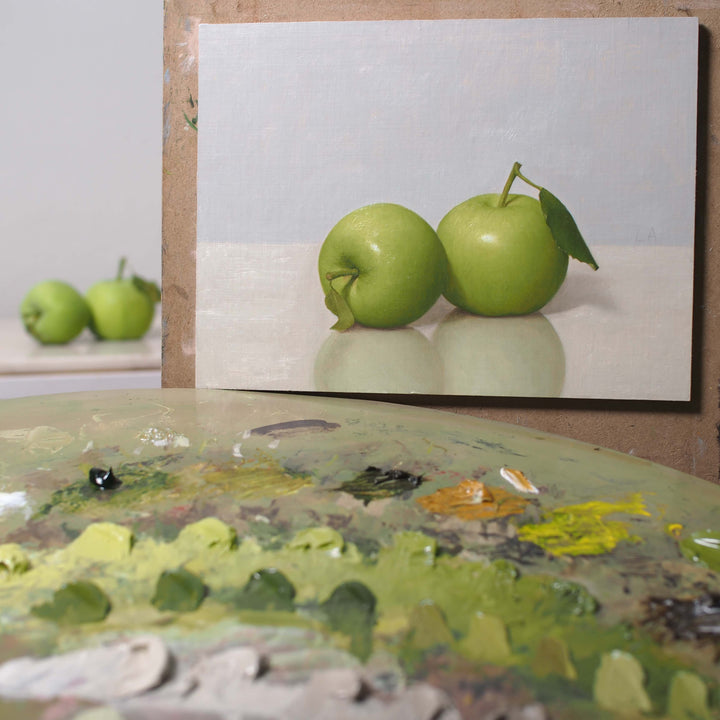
{"x": 583, "y": 529}
{"x": 318, "y": 538}
{"x": 13, "y": 560}
{"x": 103, "y": 541}
{"x": 620, "y": 684}
{"x": 688, "y": 697}
{"x": 210, "y": 533}
{"x": 473, "y": 500}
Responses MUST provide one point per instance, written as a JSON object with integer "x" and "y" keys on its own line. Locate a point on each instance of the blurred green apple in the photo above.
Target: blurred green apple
{"x": 381, "y": 266}
{"x": 54, "y": 312}
{"x": 122, "y": 308}
{"x": 508, "y": 254}
{"x": 371, "y": 360}
{"x": 506, "y": 356}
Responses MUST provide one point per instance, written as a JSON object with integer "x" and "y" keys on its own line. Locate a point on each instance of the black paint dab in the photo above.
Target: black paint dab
{"x": 103, "y": 479}
{"x": 376, "y": 484}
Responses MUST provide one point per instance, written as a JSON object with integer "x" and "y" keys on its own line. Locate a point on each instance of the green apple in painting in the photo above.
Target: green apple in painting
{"x": 122, "y": 308}
{"x": 382, "y": 266}
{"x": 507, "y": 356}
{"x": 503, "y": 260}
{"x": 370, "y": 360}
{"x": 508, "y": 254}
{"x": 54, "y": 312}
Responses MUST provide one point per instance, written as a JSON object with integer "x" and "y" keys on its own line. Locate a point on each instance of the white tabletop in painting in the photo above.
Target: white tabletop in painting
{"x": 606, "y": 334}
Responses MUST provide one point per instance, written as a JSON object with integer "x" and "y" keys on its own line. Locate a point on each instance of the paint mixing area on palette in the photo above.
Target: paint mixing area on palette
{"x": 221, "y": 554}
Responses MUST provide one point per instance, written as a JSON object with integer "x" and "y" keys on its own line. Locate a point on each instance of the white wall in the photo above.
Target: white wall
{"x": 80, "y": 141}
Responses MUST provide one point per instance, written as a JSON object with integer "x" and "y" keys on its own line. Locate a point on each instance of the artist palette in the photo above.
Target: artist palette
{"x": 200, "y": 553}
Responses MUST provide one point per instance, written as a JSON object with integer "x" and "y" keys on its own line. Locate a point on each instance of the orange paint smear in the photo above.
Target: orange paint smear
{"x": 473, "y": 500}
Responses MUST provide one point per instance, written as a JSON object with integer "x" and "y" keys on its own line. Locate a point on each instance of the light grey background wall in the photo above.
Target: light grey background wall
{"x": 80, "y": 141}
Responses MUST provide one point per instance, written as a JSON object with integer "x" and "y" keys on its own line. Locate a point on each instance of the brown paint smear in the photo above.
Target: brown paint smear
{"x": 473, "y": 500}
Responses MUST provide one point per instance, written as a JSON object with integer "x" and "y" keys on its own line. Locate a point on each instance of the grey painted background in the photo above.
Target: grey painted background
{"x": 302, "y": 123}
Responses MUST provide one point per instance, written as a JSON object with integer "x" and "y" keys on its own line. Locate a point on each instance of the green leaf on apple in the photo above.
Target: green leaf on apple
{"x": 564, "y": 229}
{"x": 336, "y": 304}
{"x": 148, "y": 287}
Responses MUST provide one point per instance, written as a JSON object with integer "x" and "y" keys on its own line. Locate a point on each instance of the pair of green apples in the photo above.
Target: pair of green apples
{"x": 55, "y": 313}
{"x": 383, "y": 266}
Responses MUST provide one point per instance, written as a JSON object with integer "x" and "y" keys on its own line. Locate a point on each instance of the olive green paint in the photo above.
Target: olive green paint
{"x": 376, "y": 484}
{"x": 13, "y": 560}
{"x": 688, "y": 698}
{"x": 75, "y": 603}
{"x": 620, "y": 684}
{"x": 178, "y": 591}
{"x": 408, "y": 598}
{"x": 350, "y": 610}
{"x": 487, "y": 640}
{"x": 552, "y": 657}
{"x": 703, "y": 548}
{"x": 267, "y": 589}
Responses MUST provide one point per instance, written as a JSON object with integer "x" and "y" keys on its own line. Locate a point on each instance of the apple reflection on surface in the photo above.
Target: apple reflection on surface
{"x": 401, "y": 360}
{"x": 510, "y": 356}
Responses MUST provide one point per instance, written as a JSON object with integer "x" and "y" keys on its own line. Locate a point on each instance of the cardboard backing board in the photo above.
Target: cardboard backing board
{"x": 679, "y": 434}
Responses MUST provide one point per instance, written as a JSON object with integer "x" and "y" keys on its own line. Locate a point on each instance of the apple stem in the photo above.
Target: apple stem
{"x": 514, "y": 173}
{"x": 121, "y": 268}
{"x": 342, "y": 273}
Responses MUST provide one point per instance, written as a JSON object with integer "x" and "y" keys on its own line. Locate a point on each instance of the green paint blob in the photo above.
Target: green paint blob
{"x": 178, "y": 591}
{"x": 75, "y": 603}
{"x": 350, "y": 610}
{"x": 13, "y": 560}
{"x": 552, "y": 657}
{"x": 688, "y": 698}
{"x": 619, "y": 684}
{"x": 103, "y": 541}
{"x": 703, "y": 548}
{"x": 414, "y": 548}
{"x": 573, "y": 599}
{"x": 267, "y": 589}
{"x": 318, "y": 538}
{"x": 487, "y": 640}
{"x": 142, "y": 486}
{"x": 208, "y": 534}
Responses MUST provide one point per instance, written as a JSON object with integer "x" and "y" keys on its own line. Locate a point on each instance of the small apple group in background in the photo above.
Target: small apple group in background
{"x": 122, "y": 308}
{"x": 383, "y": 266}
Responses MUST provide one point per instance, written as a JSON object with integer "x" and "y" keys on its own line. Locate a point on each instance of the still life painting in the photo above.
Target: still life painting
{"x": 218, "y": 555}
{"x": 448, "y": 207}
